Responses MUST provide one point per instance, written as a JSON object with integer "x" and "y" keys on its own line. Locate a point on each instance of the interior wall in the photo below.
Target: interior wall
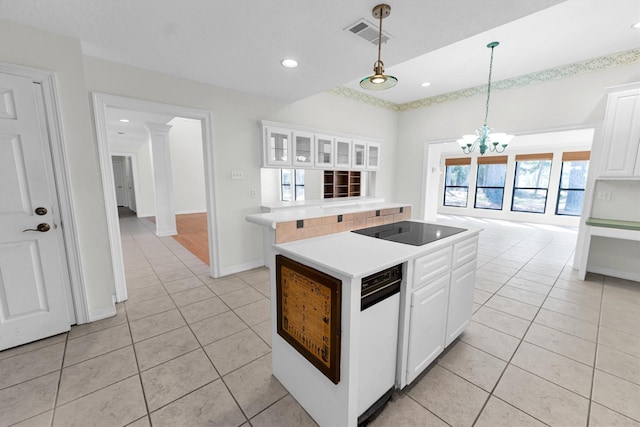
{"x": 187, "y": 166}
{"x": 236, "y": 137}
{"x": 577, "y": 101}
{"x": 62, "y": 55}
{"x": 339, "y": 114}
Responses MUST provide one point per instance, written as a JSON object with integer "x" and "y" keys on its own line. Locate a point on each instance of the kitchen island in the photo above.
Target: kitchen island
{"x": 433, "y": 307}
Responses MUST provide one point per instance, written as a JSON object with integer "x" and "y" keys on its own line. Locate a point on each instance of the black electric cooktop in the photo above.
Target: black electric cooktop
{"x": 409, "y": 232}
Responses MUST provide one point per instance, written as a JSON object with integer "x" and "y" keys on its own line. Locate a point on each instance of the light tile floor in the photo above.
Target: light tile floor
{"x": 544, "y": 348}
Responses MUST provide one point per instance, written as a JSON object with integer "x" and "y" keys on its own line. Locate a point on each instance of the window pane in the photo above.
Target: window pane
{"x": 489, "y": 198}
{"x": 533, "y": 173}
{"x": 491, "y": 175}
{"x": 529, "y": 200}
{"x": 570, "y": 202}
{"x": 299, "y": 192}
{"x": 455, "y": 196}
{"x": 300, "y": 177}
{"x": 457, "y": 176}
{"x": 286, "y": 193}
{"x": 574, "y": 175}
{"x": 286, "y": 176}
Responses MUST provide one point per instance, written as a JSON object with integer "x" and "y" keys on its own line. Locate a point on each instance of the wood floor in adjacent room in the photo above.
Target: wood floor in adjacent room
{"x": 193, "y": 234}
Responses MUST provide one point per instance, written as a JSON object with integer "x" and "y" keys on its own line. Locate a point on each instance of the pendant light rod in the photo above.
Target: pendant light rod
{"x": 379, "y": 80}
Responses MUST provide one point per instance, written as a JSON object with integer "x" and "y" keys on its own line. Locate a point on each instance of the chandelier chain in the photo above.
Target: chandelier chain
{"x": 486, "y": 112}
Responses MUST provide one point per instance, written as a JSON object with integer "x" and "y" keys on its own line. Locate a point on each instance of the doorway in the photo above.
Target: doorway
{"x": 103, "y": 102}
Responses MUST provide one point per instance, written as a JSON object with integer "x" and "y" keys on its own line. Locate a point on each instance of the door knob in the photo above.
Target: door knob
{"x": 41, "y": 211}
{"x": 42, "y": 227}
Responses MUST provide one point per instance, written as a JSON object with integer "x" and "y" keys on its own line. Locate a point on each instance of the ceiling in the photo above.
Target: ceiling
{"x": 238, "y": 44}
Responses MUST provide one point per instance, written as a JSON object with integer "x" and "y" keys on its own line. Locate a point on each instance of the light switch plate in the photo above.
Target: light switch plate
{"x": 237, "y": 175}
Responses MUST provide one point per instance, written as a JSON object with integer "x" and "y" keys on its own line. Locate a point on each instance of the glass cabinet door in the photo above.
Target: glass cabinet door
{"x": 277, "y": 147}
{"x": 373, "y": 156}
{"x": 343, "y": 154}
{"x": 358, "y": 155}
{"x": 303, "y": 152}
{"x": 324, "y": 151}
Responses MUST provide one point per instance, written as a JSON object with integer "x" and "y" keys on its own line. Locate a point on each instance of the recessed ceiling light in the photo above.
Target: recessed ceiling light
{"x": 124, "y": 120}
{"x": 425, "y": 84}
{"x": 636, "y": 25}
{"x": 120, "y": 133}
{"x": 289, "y": 63}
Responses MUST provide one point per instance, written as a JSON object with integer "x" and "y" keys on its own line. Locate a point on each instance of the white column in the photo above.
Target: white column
{"x": 162, "y": 178}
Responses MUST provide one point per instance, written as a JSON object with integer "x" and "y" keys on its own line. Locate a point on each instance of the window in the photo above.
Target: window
{"x": 492, "y": 172}
{"x": 456, "y": 182}
{"x": 573, "y": 179}
{"x": 531, "y": 182}
{"x": 292, "y": 184}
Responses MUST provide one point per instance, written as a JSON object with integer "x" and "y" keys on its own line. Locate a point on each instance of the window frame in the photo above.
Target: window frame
{"x": 492, "y": 160}
{"x": 293, "y": 185}
{"x": 528, "y": 158}
{"x": 464, "y": 161}
{"x": 567, "y": 157}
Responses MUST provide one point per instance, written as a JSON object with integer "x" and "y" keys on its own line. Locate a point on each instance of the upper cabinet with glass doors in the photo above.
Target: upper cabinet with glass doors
{"x": 277, "y": 146}
{"x": 373, "y": 156}
{"x": 324, "y": 151}
{"x": 303, "y": 151}
{"x": 287, "y": 146}
{"x": 358, "y": 155}
{"x": 342, "y": 159}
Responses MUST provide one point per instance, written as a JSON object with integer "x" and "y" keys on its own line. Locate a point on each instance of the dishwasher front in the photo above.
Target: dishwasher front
{"x": 378, "y": 343}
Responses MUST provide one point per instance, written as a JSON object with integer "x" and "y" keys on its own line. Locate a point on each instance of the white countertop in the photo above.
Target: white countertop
{"x": 355, "y": 255}
{"x": 270, "y": 219}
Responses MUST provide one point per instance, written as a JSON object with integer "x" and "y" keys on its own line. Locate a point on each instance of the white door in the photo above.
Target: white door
{"x": 131, "y": 194}
{"x": 119, "y": 180}
{"x": 33, "y": 266}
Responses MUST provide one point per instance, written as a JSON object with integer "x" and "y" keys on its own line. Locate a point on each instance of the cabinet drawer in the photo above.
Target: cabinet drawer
{"x": 465, "y": 251}
{"x": 432, "y": 266}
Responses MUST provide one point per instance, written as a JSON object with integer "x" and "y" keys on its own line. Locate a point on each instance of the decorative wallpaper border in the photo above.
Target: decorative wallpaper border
{"x": 595, "y": 64}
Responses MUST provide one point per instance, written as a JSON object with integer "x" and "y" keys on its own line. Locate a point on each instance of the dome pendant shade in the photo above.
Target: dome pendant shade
{"x": 379, "y": 81}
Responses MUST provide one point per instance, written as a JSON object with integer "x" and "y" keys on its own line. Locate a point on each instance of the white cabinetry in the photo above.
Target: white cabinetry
{"x": 277, "y": 146}
{"x": 440, "y": 303}
{"x": 373, "y": 156}
{"x": 621, "y": 135}
{"x": 342, "y": 159}
{"x": 324, "y": 151}
{"x": 427, "y": 325}
{"x": 358, "y": 155}
{"x": 463, "y": 281}
{"x": 303, "y": 149}
{"x": 286, "y": 146}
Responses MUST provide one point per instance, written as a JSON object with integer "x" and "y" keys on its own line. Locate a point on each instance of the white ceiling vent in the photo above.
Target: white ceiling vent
{"x": 368, "y": 31}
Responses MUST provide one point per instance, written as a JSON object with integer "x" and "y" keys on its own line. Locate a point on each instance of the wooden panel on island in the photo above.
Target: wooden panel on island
{"x": 308, "y": 310}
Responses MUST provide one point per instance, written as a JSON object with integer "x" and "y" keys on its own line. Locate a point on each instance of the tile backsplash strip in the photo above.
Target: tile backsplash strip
{"x": 290, "y": 231}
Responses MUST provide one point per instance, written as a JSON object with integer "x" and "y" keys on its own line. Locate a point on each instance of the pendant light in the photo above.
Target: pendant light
{"x": 379, "y": 81}
{"x": 485, "y": 138}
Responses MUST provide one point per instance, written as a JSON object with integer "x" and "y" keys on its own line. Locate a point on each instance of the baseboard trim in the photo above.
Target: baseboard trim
{"x": 190, "y": 212}
{"x": 241, "y": 267}
{"x": 614, "y": 273}
{"x": 166, "y": 233}
{"x": 102, "y": 313}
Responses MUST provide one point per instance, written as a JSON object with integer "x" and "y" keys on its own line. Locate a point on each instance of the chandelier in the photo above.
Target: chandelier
{"x": 485, "y": 138}
{"x": 379, "y": 80}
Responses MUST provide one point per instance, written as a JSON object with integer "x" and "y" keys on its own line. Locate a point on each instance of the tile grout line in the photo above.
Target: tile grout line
{"x": 491, "y": 393}
{"x": 595, "y": 356}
